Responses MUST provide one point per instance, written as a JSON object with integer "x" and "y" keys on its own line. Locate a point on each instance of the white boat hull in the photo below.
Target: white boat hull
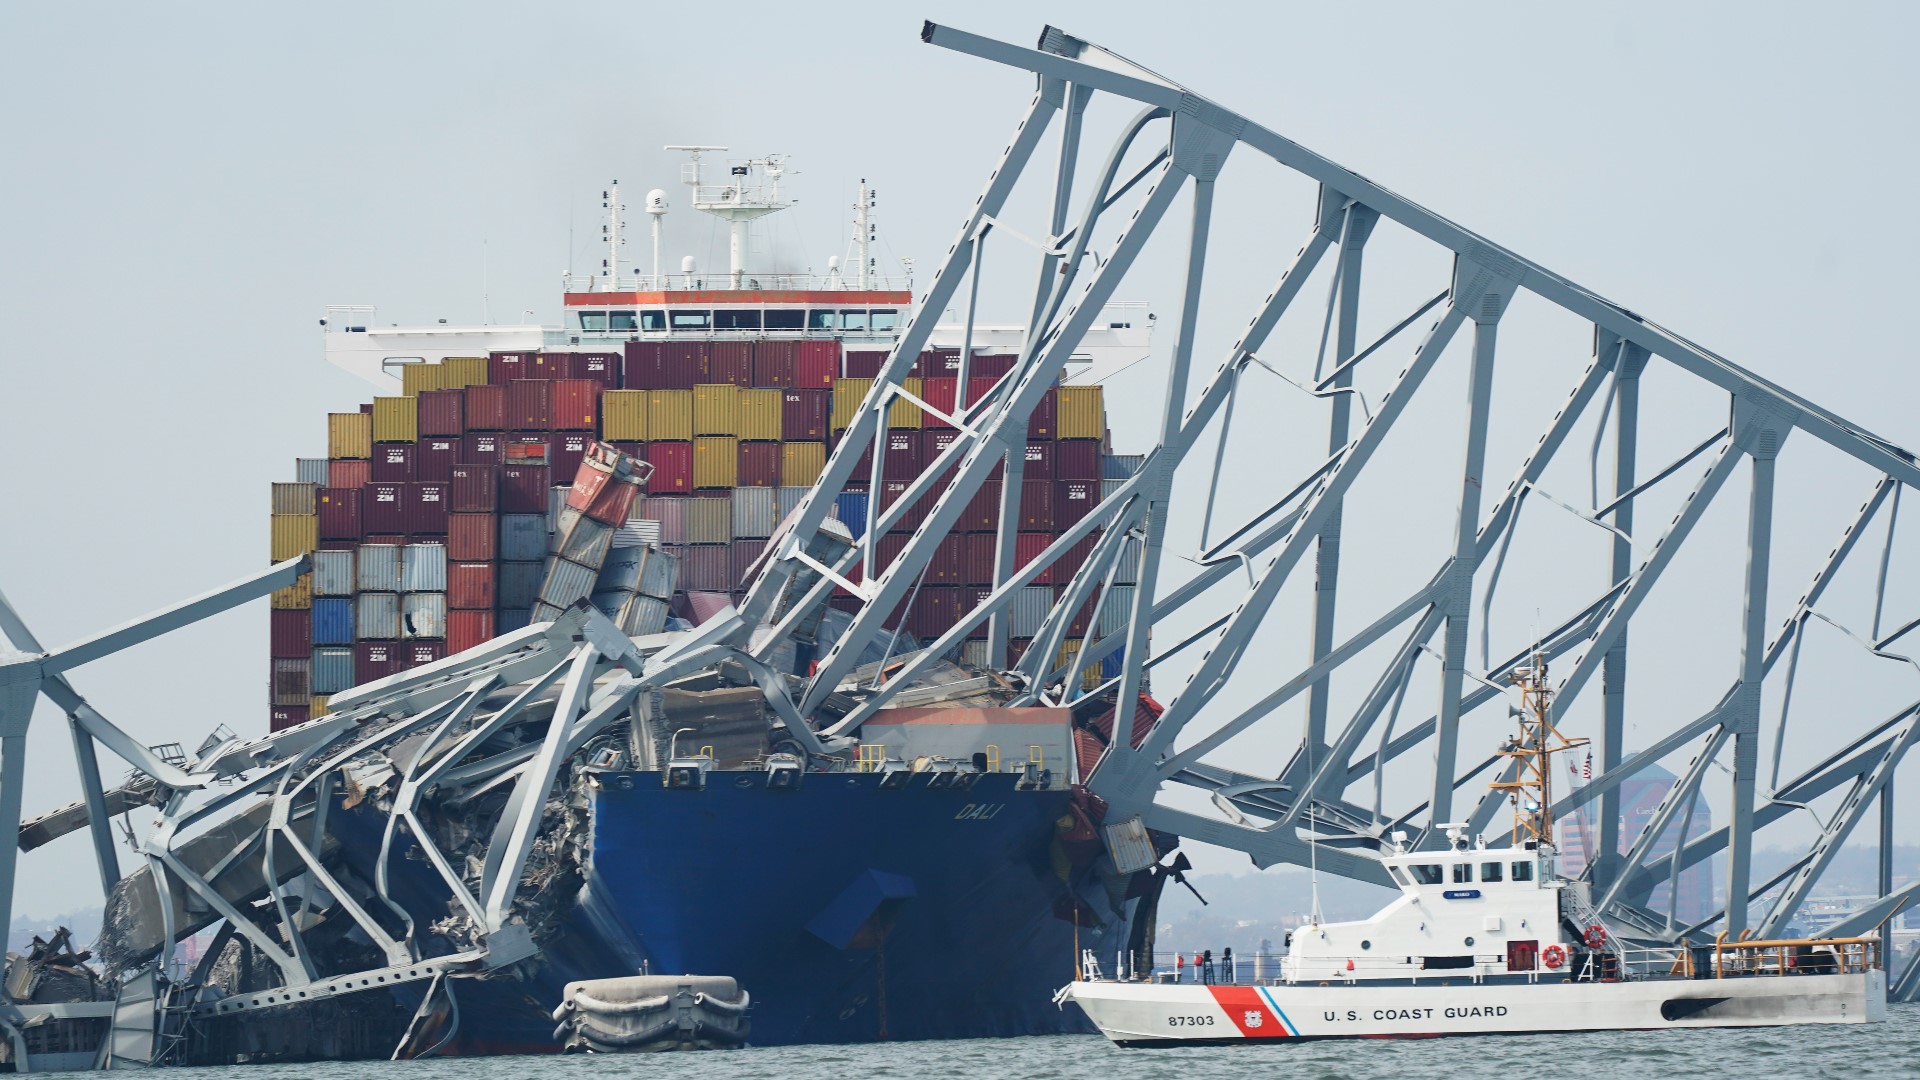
{"x": 1150, "y": 1014}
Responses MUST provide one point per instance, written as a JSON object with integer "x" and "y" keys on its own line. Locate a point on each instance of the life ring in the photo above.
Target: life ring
{"x": 1553, "y": 956}
{"x": 1596, "y": 936}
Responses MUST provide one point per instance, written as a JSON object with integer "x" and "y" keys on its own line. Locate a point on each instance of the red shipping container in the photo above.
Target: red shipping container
{"x": 470, "y": 585}
{"x": 744, "y": 553}
{"x": 339, "y": 513}
{"x": 569, "y": 448}
{"x": 425, "y": 506}
{"x": 1039, "y": 461}
{"x": 597, "y": 494}
{"x": 434, "y": 459}
{"x": 290, "y": 634}
{"x": 885, "y": 552}
{"x": 1072, "y": 499}
{"x": 375, "y": 660}
{"x": 576, "y": 405}
{"x": 1036, "y": 506}
{"x": 1076, "y": 459}
{"x": 631, "y": 449}
{"x": 939, "y": 392}
{"x": 486, "y": 408}
{"x": 759, "y": 464}
{"x": 443, "y": 412}
{"x": 473, "y": 489}
{"x": 934, "y": 611}
{"x": 467, "y": 629}
{"x": 523, "y": 489}
{"x": 530, "y": 405}
{"x": 805, "y": 415}
{"x": 981, "y": 548}
{"x": 865, "y": 363}
{"x": 504, "y": 367}
{"x": 978, "y": 387}
{"x": 817, "y": 365}
{"x": 972, "y": 597}
{"x": 472, "y": 538}
{"x": 983, "y": 510}
{"x": 487, "y": 449}
{"x": 1076, "y": 556}
{"x": 338, "y": 544}
{"x": 282, "y": 717}
{"x": 672, "y": 468}
{"x": 602, "y": 368}
{"x": 940, "y": 363}
{"x": 934, "y": 443}
{"x": 642, "y": 364}
{"x": 949, "y": 563}
{"x": 1027, "y": 547}
{"x": 1041, "y": 422}
{"x": 349, "y": 474}
{"x": 990, "y": 365}
{"x": 903, "y": 461}
{"x": 773, "y": 363}
{"x": 383, "y": 508}
{"x": 396, "y": 539}
{"x": 528, "y": 448}
{"x": 890, "y": 492}
{"x": 730, "y": 362}
{"x": 393, "y": 463}
{"x": 413, "y": 654}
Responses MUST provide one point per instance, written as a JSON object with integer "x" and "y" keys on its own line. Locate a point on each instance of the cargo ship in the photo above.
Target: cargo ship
{"x": 933, "y": 882}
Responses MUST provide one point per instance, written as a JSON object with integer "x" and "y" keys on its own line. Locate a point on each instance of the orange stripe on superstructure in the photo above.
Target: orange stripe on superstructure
{"x": 735, "y": 296}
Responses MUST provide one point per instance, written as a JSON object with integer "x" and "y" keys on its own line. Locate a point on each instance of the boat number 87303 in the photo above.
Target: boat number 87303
{"x": 1190, "y": 1021}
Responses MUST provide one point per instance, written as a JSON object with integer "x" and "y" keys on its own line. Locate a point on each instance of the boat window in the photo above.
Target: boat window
{"x": 1523, "y": 871}
{"x": 621, "y": 320}
{"x": 593, "y": 320}
{"x": 822, "y": 320}
{"x": 853, "y": 320}
{"x": 883, "y": 320}
{"x": 1462, "y": 872}
{"x": 1425, "y": 873}
{"x": 692, "y": 320}
{"x": 736, "y": 320}
{"x": 785, "y": 319}
{"x": 653, "y": 320}
{"x": 1398, "y": 877}
{"x": 1490, "y": 871}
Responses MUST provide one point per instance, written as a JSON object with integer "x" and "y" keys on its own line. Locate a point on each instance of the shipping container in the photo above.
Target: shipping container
{"x": 423, "y": 568}
{"x": 948, "y": 565}
{"x": 756, "y": 511}
{"x": 981, "y": 551}
{"x": 761, "y": 413}
{"x": 528, "y": 447}
{"x": 902, "y": 460}
{"x": 530, "y": 405}
{"x": 289, "y": 634}
{"x": 864, "y": 363}
{"x": 425, "y": 507}
{"x": 395, "y": 420}
{"x": 378, "y": 568}
{"x": 672, "y": 468}
{"x": 1027, "y": 609}
{"x": 467, "y": 629}
{"x": 333, "y": 622}
{"x": 1128, "y": 572}
{"x": 518, "y": 585}
{"x": 600, "y": 368}
{"x": 757, "y": 464}
{"x": 523, "y": 537}
{"x": 415, "y": 654}
{"x": 470, "y": 586}
{"x": 660, "y": 574}
{"x": 659, "y": 365}
{"x": 319, "y": 707}
{"x": 473, "y": 489}
{"x": 1041, "y": 423}
{"x": 349, "y": 435}
{"x": 463, "y": 371}
{"x": 1039, "y": 461}
{"x": 850, "y": 507}
{"x": 790, "y": 496}
{"x": 801, "y": 463}
{"x": 933, "y": 443}
{"x": 523, "y": 489}
{"x": 294, "y": 498}
{"x": 295, "y": 597}
{"x": 1116, "y": 611}
{"x": 293, "y": 682}
{"x": 566, "y": 582}
{"x": 423, "y": 616}
{"x": 581, "y": 539}
{"x": 383, "y": 508}
{"x": 376, "y": 616}
{"x": 742, "y": 554}
{"x": 486, "y": 448}
{"x": 575, "y": 404}
{"x": 983, "y": 510}
{"x": 670, "y": 415}
{"x": 1076, "y": 556}
{"x": 375, "y": 660}
{"x": 473, "y": 537}
{"x": 1072, "y": 500}
{"x": 773, "y": 363}
{"x": 1076, "y": 459}
{"x": 934, "y": 610}
{"x": 805, "y": 415}
{"x": 847, "y": 396}
{"x": 623, "y": 415}
{"x": 333, "y": 669}
{"x": 941, "y": 392}
{"x": 293, "y": 535}
{"x": 710, "y": 518}
{"x": 716, "y": 409}
{"x": 282, "y": 717}
{"x": 443, "y": 412}
{"x": 393, "y": 463}
{"x": 504, "y": 367}
{"x": 620, "y": 570}
{"x": 890, "y": 492}
{"x": 435, "y": 457}
{"x": 706, "y": 567}
{"x": 1082, "y": 413}
{"x": 311, "y": 471}
{"x": 976, "y": 653}
{"x": 1036, "y": 506}
{"x": 716, "y": 462}
{"x": 485, "y": 408}
{"x": 671, "y": 513}
{"x": 645, "y": 615}
{"x": 1027, "y": 547}
{"x": 569, "y": 449}
{"x": 729, "y": 362}
{"x": 339, "y": 516}
{"x": 349, "y": 474}
{"x": 333, "y": 573}
{"x": 817, "y": 364}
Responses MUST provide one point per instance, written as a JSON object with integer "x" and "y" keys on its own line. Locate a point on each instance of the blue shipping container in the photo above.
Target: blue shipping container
{"x": 851, "y": 508}
{"x": 332, "y": 621}
{"x": 523, "y": 538}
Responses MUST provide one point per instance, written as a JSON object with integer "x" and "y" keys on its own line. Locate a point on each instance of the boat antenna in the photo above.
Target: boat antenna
{"x": 1532, "y": 752}
{"x": 1313, "y": 838}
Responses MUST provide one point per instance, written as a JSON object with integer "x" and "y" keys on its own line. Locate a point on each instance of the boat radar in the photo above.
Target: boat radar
{"x": 752, "y": 191}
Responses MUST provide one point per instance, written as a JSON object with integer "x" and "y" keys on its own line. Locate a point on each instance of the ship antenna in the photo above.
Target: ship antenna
{"x": 1313, "y": 839}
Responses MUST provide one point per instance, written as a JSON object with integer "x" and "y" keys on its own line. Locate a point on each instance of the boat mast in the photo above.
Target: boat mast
{"x": 1531, "y": 788}
{"x": 611, "y": 200}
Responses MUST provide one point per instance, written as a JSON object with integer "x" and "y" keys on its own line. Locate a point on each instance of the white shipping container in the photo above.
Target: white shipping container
{"x": 756, "y": 510}
{"x": 710, "y": 519}
{"x": 581, "y": 539}
{"x": 790, "y": 499}
{"x": 1027, "y": 610}
{"x": 376, "y": 615}
{"x": 332, "y": 670}
{"x": 309, "y": 470}
{"x": 333, "y": 573}
{"x": 423, "y": 568}
{"x": 1115, "y": 610}
{"x": 659, "y": 574}
{"x": 377, "y": 568}
{"x": 423, "y": 616}
{"x": 566, "y": 582}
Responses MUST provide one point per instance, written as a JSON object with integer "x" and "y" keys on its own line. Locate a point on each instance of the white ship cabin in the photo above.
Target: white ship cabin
{"x": 1469, "y": 911}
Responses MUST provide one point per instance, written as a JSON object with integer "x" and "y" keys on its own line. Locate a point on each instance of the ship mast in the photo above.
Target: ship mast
{"x": 743, "y": 199}
{"x": 1531, "y": 788}
{"x": 863, "y": 232}
{"x": 611, "y": 200}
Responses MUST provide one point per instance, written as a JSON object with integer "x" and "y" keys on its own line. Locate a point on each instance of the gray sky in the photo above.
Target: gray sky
{"x": 189, "y": 185}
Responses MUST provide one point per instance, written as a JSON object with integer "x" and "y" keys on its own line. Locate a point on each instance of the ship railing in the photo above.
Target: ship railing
{"x": 1790, "y": 956}
{"x": 709, "y": 280}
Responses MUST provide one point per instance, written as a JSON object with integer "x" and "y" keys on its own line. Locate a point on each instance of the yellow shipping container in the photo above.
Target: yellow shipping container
{"x": 623, "y": 415}
{"x": 319, "y": 708}
{"x": 801, "y": 463}
{"x": 760, "y": 414}
{"x": 349, "y": 436}
{"x": 716, "y": 409}
{"x": 396, "y": 419}
{"x": 716, "y": 462}
{"x": 669, "y": 416}
{"x": 465, "y": 371}
{"x": 1089, "y": 676}
{"x": 417, "y": 377}
{"x": 1082, "y": 413}
{"x": 295, "y": 597}
{"x": 847, "y": 396}
{"x": 294, "y": 535}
